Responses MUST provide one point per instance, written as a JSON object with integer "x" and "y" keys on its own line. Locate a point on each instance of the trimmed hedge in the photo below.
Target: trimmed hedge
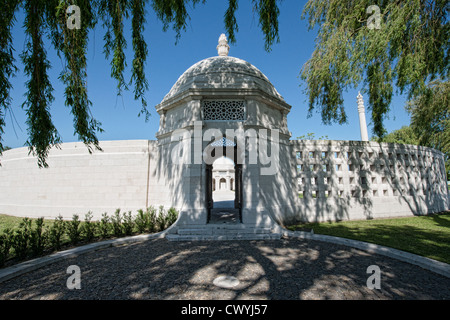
{"x": 32, "y": 240}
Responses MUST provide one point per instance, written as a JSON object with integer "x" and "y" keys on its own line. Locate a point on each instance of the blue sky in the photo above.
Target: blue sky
{"x": 167, "y": 61}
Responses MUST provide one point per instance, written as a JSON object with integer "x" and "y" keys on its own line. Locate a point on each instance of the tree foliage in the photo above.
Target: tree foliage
{"x": 312, "y": 136}
{"x": 72, "y": 45}
{"x": 430, "y": 121}
{"x": 49, "y": 17}
{"x": 7, "y": 61}
{"x": 404, "y": 135}
{"x": 41, "y": 131}
{"x": 430, "y": 117}
{"x": 409, "y": 49}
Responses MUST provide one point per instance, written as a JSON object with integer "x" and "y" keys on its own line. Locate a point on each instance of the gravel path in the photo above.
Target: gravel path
{"x": 281, "y": 269}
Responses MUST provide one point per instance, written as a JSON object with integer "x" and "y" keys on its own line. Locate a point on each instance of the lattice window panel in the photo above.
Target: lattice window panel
{"x": 224, "y": 110}
{"x": 224, "y": 142}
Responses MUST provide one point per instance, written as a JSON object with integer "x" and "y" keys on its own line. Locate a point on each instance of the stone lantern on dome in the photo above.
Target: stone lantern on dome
{"x": 223, "y": 48}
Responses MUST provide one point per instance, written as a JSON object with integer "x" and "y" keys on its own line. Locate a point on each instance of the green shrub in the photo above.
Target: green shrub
{"x": 73, "y": 229}
{"x": 161, "y": 219}
{"x": 153, "y": 221}
{"x": 56, "y": 233}
{"x": 172, "y": 215}
{"x": 21, "y": 239}
{"x": 89, "y": 227}
{"x": 151, "y": 214}
{"x": 5, "y": 245}
{"x": 116, "y": 221}
{"x": 38, "y": 238}
{"x": 128, "y": 223}
{"x": 142, "y": 221}
{"x": 104, "y": 226}
{"x": 26, "y": 239}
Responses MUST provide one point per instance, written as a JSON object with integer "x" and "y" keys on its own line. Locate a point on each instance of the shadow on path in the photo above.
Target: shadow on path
{"x": 283, "y": 269}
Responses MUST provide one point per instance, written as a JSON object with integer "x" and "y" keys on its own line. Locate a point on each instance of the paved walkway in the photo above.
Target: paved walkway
{"x": 223, "y": 210}
{"x": 281, "y": 269}
{"x": 223, "y": 199}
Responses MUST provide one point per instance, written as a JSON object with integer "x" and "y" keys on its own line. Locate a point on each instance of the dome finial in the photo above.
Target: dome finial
{"x": 223, "y": 48}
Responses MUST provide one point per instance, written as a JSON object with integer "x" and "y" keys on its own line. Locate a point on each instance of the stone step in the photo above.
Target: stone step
{"x": 222, "y": 231}
{"x": 243, "y": 231}
{"x": 205, "y": 231}
{"x": 229, "y": 231}
{"x": 178, "y": 237}
{"x": 234, "y": 226}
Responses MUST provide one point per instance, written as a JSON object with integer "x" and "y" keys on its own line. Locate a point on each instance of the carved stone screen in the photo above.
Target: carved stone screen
{"x": 224, "y": 110}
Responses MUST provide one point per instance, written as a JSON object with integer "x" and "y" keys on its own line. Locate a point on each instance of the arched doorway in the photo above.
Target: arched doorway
{"x": 222, "y": 183}
{"x": 223, "y": 173}
{"x": 224, "y": 193}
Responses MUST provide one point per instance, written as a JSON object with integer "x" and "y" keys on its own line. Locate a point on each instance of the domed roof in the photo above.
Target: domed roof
{"x": 222, "y": 72}
{"x": 223, "y": 163}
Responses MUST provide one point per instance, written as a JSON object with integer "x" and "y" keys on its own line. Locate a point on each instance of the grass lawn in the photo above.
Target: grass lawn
{"x": 428, "y": 236}
{"x": 12, "y": 222}
{"x": 8, "y": 222}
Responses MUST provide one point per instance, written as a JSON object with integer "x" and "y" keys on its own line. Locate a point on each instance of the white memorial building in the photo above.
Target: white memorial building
{"x": 224, "y": 106}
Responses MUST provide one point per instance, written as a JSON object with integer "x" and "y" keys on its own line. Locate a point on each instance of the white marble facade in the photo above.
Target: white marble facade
{"x": 282, "y": 180}
{"x": 223, "y": 175}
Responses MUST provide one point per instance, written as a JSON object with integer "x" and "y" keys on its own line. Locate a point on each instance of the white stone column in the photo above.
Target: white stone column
{"x": 362, "y": 118}
{"x": 217, "y": 183}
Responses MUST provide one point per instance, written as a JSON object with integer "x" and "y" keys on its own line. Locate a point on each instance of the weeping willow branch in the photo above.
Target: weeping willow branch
{"x": 140, "y": 54}
{"x": 230, "y": 20}
{"x": 74, "y": 76}
{"x": 41, "y": 131}
{"x": 268, "y": 20}
{"x": 7, "y": 66}
{"x": 409, "y": 49}
{"x": 49, "y": 17}
{"x": 113, "y": 13}
{"x": 173, "y": 12}
{"x": 379, "y": 78}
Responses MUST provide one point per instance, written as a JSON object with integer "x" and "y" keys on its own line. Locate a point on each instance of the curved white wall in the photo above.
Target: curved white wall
{"x": 338, "y": 180}
{"x": 76, "y": 181}
{"x": 317, "y": 181}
